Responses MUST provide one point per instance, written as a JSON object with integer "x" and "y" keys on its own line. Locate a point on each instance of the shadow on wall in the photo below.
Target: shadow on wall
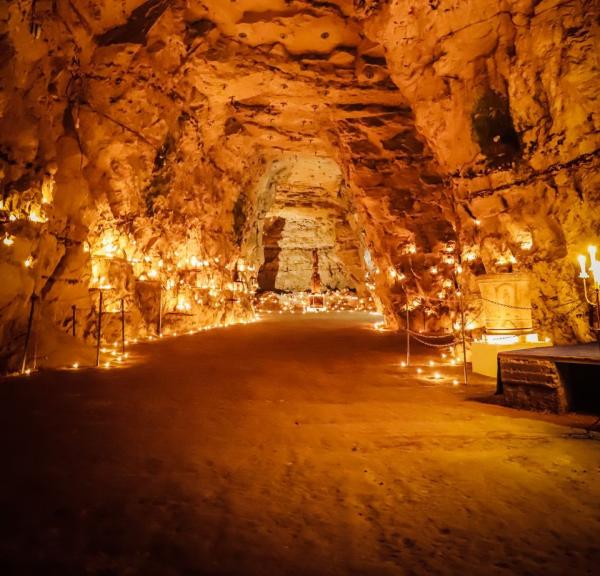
{"x": 272, "y": 235}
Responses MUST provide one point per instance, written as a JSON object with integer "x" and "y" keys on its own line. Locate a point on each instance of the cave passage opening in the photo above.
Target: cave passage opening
{"x": 305, "y": 223}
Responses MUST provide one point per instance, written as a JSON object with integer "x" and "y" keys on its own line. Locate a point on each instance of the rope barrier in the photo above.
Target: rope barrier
{"x": 451, "y": 300}
{"x": 565, "y": 304}
{"x": 431, "y": 345}
{"x": 430, "y": 335}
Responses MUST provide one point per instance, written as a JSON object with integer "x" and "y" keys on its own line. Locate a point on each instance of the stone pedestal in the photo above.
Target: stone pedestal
{"x": 508, "y": 323}
{"x": 506, "y": 303}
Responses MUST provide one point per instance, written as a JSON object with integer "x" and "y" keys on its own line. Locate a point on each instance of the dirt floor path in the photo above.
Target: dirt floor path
{"x": 293, "y": 446}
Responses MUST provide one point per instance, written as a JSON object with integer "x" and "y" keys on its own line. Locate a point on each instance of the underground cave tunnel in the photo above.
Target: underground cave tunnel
{"x": 299, "y": 287}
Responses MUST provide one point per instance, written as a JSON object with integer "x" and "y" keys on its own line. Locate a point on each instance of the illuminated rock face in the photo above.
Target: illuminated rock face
{"x": 304, "y": 212}
{"x": 178, "y": 132}
{"x": 506, "y": 95}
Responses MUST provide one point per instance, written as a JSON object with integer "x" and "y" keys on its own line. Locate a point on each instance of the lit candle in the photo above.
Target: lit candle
{"x": 583, "y": 273}
{"x": 592, "y": 253}
{"x": 596, "y": 272}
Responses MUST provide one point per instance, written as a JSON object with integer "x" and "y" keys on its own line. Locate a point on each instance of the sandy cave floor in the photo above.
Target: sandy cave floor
{"x": 296, "y": 445}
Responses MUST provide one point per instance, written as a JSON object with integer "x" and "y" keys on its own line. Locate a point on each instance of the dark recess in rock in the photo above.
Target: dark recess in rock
{"x": 374, "y": 60}
{"x": 6, "y": 50}
{"x": 494, "y": 130}
{"x": 401, "y": 201}
{"x": 400, "y": 110}
{"x": 404, "y": 141}
{"x": 239, "y": 218}
{"x": 161, "y": 176}
{"x": 136, "y": 28}
{"x": 233, "y": 126}
{"x": 364, "y": 147}
{"x": 199, "y": 28}
{"x": 432, "y": 179}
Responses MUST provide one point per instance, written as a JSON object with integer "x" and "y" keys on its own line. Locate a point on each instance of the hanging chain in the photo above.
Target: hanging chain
{"x": 506, "y": 305}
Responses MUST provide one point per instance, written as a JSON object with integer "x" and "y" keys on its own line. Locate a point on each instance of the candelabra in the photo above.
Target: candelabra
{"x": 594, "y": 268}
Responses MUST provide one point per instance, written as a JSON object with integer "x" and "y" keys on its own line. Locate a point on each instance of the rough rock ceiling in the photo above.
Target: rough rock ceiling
{"x": 166, "y": 127}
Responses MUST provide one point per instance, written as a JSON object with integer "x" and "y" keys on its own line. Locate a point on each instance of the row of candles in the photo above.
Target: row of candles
{"x": 114, "y": 356}
{"x": 436, "y": 375}
{"x": 430, "y": 369}
{"x": 186, "y": 279}
{"x": 32, "y": 211}
{"x": 147, "y": 267}
{"x": 330, "y": 301}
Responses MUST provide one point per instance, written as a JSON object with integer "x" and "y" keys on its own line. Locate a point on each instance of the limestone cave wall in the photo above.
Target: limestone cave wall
{"x": 506, "y": 95}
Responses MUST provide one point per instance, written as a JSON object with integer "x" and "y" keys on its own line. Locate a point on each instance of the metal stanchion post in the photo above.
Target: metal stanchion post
{"x": 407, "y": 333}
{"x": 123, "y": 325}
{"x": 159, "y": 326}
{"x": 464, "y": 340}
{"x": 73, "y": 319}
{"x": 407, "y": 327}
{"x": 28, "y": 336}
{"x": 598, "y": 315}
{"x": 35, "y": 346}
{"x": 99, "y": 331}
